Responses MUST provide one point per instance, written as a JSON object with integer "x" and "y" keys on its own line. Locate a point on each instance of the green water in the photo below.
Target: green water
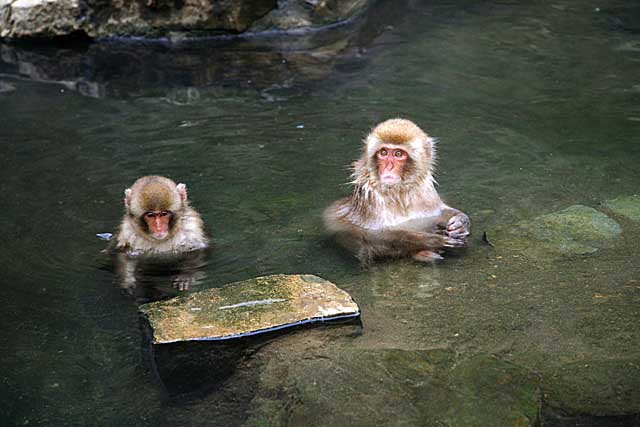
{"x": 536, "y": 106}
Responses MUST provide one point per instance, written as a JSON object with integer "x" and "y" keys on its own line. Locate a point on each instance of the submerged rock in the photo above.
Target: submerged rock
{"x": 628, "y": 206}
{"x": 576, "y": 230}
{"x": 246, "y": 308}
{"x": 595, "y": 387}
{"x": 394, "y": 387}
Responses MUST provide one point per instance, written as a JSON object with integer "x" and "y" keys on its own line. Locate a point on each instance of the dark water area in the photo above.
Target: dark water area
{"x": 536, "y": 106}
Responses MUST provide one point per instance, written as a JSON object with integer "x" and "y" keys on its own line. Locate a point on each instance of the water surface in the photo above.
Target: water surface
{"x": 536, "y": 106}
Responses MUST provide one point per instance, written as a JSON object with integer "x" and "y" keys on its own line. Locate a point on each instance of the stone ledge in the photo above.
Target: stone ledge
{"x": 250, "y": 307}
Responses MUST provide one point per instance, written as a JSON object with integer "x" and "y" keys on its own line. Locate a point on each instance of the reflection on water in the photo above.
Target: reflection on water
{"x": 536, "y": 107}
{"x": 180, "y": 70}
{"x": 152, "y": 278}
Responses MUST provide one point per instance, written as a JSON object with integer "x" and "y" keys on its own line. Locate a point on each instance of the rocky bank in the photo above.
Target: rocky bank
{"x": 161, "y": 18}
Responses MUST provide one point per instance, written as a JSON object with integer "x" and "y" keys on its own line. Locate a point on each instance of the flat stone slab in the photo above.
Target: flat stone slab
{"x": 249, "y": 307}
{"x": 575, "y": 231}
{"x": 628, "y": 206}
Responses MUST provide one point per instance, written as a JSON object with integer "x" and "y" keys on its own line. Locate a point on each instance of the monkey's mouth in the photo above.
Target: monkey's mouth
{"x": 389, "y": 179}
{"x": 161, "y": 235}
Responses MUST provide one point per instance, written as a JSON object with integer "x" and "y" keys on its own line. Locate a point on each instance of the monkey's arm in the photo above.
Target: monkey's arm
{"x": 369, "y": 244}
{"x": 191, "y": 271}
{"x": 125, "y": 271}
{"x": 407, "y": 240}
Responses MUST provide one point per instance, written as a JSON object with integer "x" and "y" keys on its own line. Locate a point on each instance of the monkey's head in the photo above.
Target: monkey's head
{"x": 398, "y": 152}
{"x": 155, "y": 203}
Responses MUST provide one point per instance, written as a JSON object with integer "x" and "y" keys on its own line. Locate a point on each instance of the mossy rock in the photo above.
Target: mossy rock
{"x": 398, "y": 387}
{"x": 597, "y": 387}
{"x": 246, "y": 308}
{"x": 628, "y": 206}
{"x": 575, "y": 231}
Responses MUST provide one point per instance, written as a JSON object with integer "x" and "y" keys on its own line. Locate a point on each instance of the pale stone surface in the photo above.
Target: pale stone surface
{"x": 155, "y": 18}
{"x": 42, "y": 18}
{"x": 31, "y": 3}
{"x": 249, "y": 307}
{"x": 46, "y": 18}
{"x": 576, "y": 230}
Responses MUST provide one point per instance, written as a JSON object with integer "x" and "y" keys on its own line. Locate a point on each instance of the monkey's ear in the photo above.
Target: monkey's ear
{"x": 182, "y": 190}
{"x": 127, "y": 197}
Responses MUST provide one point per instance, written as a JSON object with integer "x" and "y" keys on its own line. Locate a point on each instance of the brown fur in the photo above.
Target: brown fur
{"x": 156, "y": 193}
{"x": 156, "y": 197}
{"x": 185, "y": 239}
{"x": 398, "y": 131}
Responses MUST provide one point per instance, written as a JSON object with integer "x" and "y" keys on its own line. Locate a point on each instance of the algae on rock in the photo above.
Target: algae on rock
{"x": 394, "y": 386}
{"x": 628, "y": 206}
{"x": 595, "y": 387}
{"x": 245, "y": 308}
{"x": 576, "y": 230}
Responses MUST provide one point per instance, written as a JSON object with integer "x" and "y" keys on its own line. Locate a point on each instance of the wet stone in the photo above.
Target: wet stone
{"x": 628, "y": 206}
{"x": 247, "y": 308}
{"x": 575, "y": 231}
{"x": 395, "y": 387}
{"x": 595, "y": 387}
{"x": 49, "y": 18}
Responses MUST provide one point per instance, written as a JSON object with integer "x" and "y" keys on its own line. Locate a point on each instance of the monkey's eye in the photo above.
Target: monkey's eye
{"x": 150, "y": 215}
{"x": 399, "y": 154}
{"x": 164, "y": 213}
{"x": 384, "y": 153}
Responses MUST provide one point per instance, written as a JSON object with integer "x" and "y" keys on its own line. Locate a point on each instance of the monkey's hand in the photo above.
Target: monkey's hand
{"x": 441, "y": 241}
{"x": 458, "y": 226}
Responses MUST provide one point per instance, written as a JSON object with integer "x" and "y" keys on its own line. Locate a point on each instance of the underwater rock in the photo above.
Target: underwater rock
{"x": 628, "y": 206}
{"x": 394, "y": 387}
{"x": 576, "y": 230}
{"x": 595, "y": 387}
{"x": 247, "y": 308}
{"x": 158, "y": 18}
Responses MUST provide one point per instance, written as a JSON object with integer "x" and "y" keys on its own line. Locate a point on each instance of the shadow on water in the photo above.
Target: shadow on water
{"x": 188, "y": 371}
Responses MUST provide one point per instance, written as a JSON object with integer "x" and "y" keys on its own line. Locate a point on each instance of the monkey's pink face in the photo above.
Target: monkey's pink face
{"x": 391, "y": 162}
{"x": 158, "y": 224}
